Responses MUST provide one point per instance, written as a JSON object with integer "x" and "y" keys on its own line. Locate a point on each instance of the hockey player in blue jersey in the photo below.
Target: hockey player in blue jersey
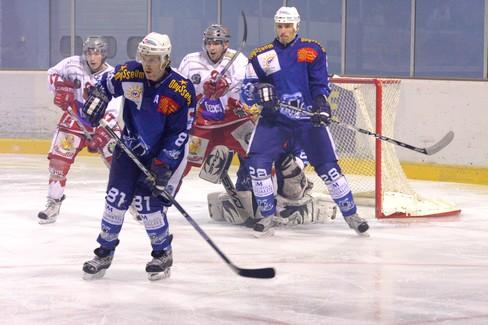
{"x": 292, "y": 70}
{"x": 158, "y": 106}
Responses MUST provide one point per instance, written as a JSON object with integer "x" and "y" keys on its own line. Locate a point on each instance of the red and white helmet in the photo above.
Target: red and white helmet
{"x": 287, "y": 15}
{"x": 155, "y": 44}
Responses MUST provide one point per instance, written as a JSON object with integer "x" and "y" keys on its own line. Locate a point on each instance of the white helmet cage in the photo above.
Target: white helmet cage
{"x": 96, "y": 43}
{"x": 287, "y": 15}
{"x": 155, "y": 44}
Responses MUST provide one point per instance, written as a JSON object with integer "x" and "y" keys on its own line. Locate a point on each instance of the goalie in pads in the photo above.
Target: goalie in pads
{"x": 295, "y": 205}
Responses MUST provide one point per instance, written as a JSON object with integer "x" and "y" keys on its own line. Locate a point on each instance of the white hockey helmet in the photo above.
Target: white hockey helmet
{"x": 96, "y": 43}
{"x": 155, "y": 44}
{"x": 287, "y": 15}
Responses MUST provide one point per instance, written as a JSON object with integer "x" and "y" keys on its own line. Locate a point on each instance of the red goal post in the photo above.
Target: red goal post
{"x": 372, "y": 166}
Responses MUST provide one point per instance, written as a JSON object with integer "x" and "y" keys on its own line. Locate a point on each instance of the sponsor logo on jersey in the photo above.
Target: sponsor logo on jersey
{"x": 180, "y": 87}
{"x": 67, "y": 142}
{"x": 269, "y": 62}
{"x": 258, "y": 50}
{"x": 167, "y": 105}
{"x": 124, "y": 74}
{"x": 134, "y": 93}
{"x": 196, "y": 78}
{"x": 173, "y": 154}
{"x": 194, "y": 145}
{"x": 306, "y": 54}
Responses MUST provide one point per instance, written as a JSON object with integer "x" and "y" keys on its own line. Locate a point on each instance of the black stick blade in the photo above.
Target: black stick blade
{"x": 265, "y": 273}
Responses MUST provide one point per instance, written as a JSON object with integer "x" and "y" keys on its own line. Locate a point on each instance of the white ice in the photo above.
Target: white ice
{"x": 415, "y": 271}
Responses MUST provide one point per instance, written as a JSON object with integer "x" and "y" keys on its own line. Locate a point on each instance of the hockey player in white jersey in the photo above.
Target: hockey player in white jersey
{"x": 69, "y": 81}
{"x": 222, "y": 126}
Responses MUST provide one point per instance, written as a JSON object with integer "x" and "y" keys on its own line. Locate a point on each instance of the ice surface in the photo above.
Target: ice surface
{"x": 415, "y": 271}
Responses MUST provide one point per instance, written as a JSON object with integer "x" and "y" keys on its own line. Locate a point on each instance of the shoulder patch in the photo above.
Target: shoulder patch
{"x": 309, "y": 40}
{"x": 167, "y": 105}
{"x": 259, "y": 50}
{"x": 306, "y": 54}
{"x": 180, "y": 87}
{"x": 127, "y": 74}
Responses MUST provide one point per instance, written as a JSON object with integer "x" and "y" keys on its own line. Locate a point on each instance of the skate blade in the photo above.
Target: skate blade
{"x": 264, "y": 234}
{"x": 46, "y": 221}
{"x": 363, "y": 234}
{"x": 98, "y": 275}
{"x": 155, "y": 276}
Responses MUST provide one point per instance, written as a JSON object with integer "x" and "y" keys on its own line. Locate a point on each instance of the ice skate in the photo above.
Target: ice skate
{"x": 357, "y": 223}
{"x": 160, "y": 266}
{"x": 96, "y": 267}
{"x": 264, "y": 227}
{"x": 50, "y": 213}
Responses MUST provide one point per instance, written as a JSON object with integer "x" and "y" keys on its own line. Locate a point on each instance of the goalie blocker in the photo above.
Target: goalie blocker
{"x": 294, "y": 203}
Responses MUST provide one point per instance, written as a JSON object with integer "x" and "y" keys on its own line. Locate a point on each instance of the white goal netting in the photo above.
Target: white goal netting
{"x": 372, "y": 166}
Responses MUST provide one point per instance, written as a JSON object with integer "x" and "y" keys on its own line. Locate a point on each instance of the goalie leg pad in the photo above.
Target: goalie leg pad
{"x": 304, "y": 211}
{"x": 292, "y": 182}
{"x": 222, "y": 207}
{"x": 215, "y": 206}
{"x": 216, "y": 164}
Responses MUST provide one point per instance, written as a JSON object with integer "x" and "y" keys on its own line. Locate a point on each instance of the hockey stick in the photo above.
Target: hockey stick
{"x": 263, "y": 273}
{"x": 239, "y": 50}
{"x": 87, "y": 134}
{"x": 438, "y": 146}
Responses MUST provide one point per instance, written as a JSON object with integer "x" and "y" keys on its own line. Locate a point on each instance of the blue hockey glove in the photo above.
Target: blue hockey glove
{"x": 159, "y": 180}
{"x": 321, "y": 111}
{"x": 212, "y": 109}
{"x": 267, "y": 97}
{"x": 95, "y": 106}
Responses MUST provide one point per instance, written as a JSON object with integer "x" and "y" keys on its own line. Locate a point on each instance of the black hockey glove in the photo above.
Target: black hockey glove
{"x": 321, "y": 111}
{"x": 159, "y": 180}
{"x": 266, "y": 95}
{"x": 95, "y": 106}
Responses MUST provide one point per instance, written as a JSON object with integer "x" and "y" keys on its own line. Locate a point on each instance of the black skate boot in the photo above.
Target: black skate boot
{"x": 264, "y": 227}
{"x": 160, "y": 266}
{"x": 357, "y": 223}
{"x": 51, "y": 212}
{"x": 96, "y": 267}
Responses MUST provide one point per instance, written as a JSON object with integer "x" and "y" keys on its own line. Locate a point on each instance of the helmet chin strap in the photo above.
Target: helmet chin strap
{"x": 165, "y": 64}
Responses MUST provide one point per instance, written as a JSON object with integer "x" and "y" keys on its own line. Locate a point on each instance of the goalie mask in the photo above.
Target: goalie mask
{"x": 215, "y": 42}
{"x": 155, "y": 44}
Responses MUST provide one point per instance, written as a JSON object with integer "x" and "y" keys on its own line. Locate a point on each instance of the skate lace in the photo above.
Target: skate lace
{"x": 100, "y": 261}
{"x": 160, "y": 261}
{"x": 51, "y": 203}
{"x": 354, "y": 221}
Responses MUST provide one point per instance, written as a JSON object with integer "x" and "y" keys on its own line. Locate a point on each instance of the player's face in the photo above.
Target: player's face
{"x": 285, "y": 32}
{"x": 94, "y": 59}
{"x": 215, "y": 49}
{"x": 151, "y": 64}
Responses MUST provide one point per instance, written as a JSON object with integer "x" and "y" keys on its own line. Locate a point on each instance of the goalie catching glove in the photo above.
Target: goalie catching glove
{"x": 159, "y": 180}
{"x": 95, "y": 106}
{"x": 321, "y": 111}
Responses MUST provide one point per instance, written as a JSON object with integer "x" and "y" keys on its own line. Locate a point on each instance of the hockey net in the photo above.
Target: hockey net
{"x": 370, "y": 165}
